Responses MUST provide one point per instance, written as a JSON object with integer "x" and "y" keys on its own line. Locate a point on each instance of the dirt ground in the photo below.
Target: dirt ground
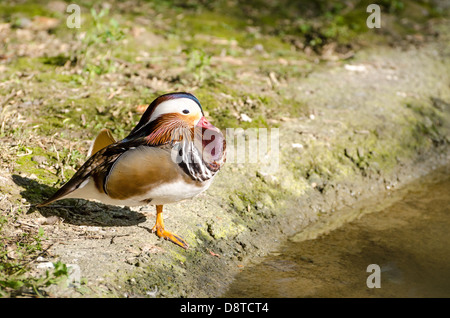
{"x": 351, "y": 124}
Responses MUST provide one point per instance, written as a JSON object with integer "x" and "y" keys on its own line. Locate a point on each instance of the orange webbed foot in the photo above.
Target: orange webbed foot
{"x": 169, "y": 236}
{"x": 161, "y": 232}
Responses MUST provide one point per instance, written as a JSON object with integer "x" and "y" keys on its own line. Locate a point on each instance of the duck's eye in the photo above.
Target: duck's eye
{"x": 186, "y": 111}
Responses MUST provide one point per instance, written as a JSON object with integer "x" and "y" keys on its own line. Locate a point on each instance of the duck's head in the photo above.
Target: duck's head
{"x": 179, "y": 116}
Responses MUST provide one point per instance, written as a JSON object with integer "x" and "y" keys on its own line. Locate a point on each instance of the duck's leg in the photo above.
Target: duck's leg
{"x": 159, "y": 229}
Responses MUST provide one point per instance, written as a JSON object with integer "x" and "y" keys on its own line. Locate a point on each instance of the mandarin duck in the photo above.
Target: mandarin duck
{"x": 171, "y": 155}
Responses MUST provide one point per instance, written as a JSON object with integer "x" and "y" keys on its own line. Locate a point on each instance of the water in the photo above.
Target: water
{"x": 409, "y": 239}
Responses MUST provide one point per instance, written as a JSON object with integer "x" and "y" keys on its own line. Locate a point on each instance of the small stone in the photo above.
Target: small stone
{"x": 23, "y": 23}
{"x": 245, "y": 118}
{"x": 11, "y": 252}
{"x": 259, "y": 47}
{"x": 355, "y": 68}
{"x": 45, "y": 265}
{"x": 48, "y": 221}
{"x": 153, "y": 292}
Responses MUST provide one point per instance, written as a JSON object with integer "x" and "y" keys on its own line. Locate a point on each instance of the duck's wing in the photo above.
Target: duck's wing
{"x": 103, "y": 139}
{"x": 139, "y": 171}
{"x": 97, "y": 166}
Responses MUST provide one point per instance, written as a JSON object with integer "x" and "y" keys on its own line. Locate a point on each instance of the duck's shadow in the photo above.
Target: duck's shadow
{"x": 76, "y": 211}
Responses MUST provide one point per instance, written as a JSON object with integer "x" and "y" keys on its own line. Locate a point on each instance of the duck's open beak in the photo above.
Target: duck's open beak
{"x": 209, "y": 140}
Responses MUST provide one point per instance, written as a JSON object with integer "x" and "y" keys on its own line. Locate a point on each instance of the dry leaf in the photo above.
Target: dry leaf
{"x": 141, "y": 108}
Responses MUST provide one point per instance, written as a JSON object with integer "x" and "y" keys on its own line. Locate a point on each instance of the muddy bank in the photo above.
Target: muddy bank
{"x": 368, "y": 132}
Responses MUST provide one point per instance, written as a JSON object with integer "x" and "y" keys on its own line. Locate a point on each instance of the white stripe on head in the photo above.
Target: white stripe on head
{"x": 177, "y": 105}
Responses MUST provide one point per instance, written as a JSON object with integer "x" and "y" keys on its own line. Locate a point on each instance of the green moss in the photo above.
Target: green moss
{"x": 376, "y": 151}
{"x": 256, "y": 199}
{"x": 26, "y": 164}
{"x": 10, "y": 11}
{"x": 88, "y": 115}
{"x": 29, "y": 64}
{"x": 259, "y": 107}
{"x": 49, "y": 77}
{"x": 177, "y": 256}
{"x": 210, "y": 24}
{"x": 237, "y": 202}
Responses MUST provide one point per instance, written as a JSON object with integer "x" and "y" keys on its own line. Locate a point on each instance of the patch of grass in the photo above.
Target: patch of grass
{"x": 50, "y": 77}
{"x": 26, "y": 162}
{"x": 198, "y": 66}
{"x": 10, "y": 12}
{"x": 29, "y": 64}
{"x": 17, "y": 253}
